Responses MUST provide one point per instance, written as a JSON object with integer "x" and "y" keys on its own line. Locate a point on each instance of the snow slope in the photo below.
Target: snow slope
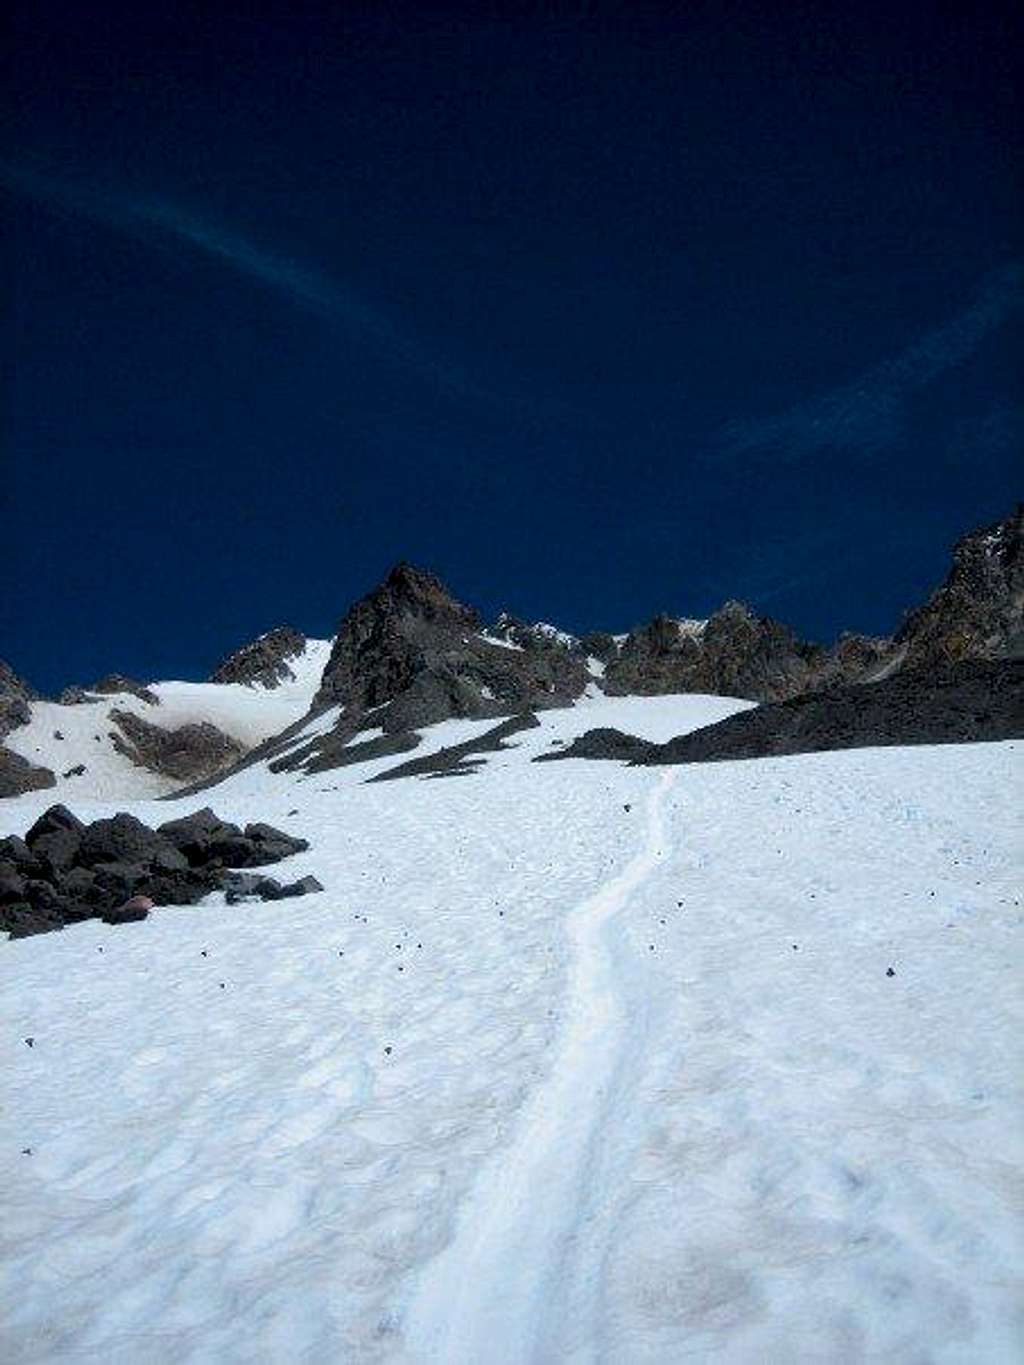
{"x": 247, "y": 713}
{"x": 539, "y": 1077}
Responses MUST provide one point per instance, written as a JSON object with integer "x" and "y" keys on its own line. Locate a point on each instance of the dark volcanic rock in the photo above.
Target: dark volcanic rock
{"x": 734, "y": 653}
{"x": 265, "y": 661}
{"x": 978, "y": 612}
{"x": 247, "y": 886}
{"x": 410, "y": 648}
{"x": 602, "y": 743}
{"x": 531, "y": 637}
{"x": 16, "y": 852}
{"x": 190, "y": 753}
{"x": 204, "y": 839}
{"x": 959, "y": 704}
{"x": 55, "y": 839}
{"x": 18, "y": 776}
{"x": 124, "y": 839}
{"x": 335, "y": 750}
{"x": 13, "y": 884}
{"x": 459, "y": 758}
{"x": 22, "y": 921}
{"x": 15, "y": 695}
{"x": 65, "y": 871}
{"x": 134, "y": 909}
{"x": 391, "y": 635}
{"x": 115, "y": 683}
{"x": 600, "y": 645}
{"x": 201, "y": 837}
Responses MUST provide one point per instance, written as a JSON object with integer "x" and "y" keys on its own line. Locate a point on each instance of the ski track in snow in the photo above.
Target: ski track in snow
{"x": 533, "y": 1081}
{"x": 524, "y": 1234}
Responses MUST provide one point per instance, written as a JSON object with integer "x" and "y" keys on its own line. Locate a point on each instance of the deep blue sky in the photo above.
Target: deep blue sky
{"x": 596, "y": 315}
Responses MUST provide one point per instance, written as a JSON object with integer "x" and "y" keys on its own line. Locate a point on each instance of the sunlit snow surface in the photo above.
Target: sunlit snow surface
{"x": 611, "y": 1127}
{"x": 62, "y": 737}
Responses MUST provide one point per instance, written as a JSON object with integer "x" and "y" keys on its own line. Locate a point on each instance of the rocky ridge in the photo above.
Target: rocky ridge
{"x": 409, "y": 654}
{"x": 978, "y": 612}
{"x": 17, "y": 774}
{"x": 264, "y": 662}
{"x": 965, "y": 702}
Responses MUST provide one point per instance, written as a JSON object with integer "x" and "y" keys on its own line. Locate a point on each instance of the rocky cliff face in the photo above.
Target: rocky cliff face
{"x": 265, "y": 661}
{"x": 734, "y": 653}
{"x": 978, "y": 612}
{"x": 411, "y": 648}
{"x": 190, "y": 753}
{"x": 17, "y": 775}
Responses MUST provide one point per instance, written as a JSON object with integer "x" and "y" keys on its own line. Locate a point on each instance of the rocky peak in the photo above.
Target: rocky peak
{"x": 978, "y": 612}
{"x": 418, "y": 593}
{"x": 390, "y": 635}
{"x": 539, "y": 635}
{"x": 264, "y": 661}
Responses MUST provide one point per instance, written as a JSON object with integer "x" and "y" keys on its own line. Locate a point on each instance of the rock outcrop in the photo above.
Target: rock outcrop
{"x": 65, "y": 871}
{"x": 264, "y": 662}
{"x": 115, "y": 683}
{"x": 734, "y": 653}
{"x": 15, "y": 695}
{"x": 190, "y": 753}
{"x": 960, "y": 703}
{"x": 978, "y": 612}
{"x": 17, "y": 774}
{"x": 409, "y": 654}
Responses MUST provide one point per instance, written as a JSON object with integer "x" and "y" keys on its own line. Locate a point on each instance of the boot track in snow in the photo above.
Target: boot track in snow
{"x": 526, "y": 1240}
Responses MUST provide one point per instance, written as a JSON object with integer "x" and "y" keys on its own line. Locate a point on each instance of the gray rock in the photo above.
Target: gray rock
{"x": 23, "y": 921}
{"x": 305, "y": 886}
{"x": 187, "y": 754}
{"x": 131, "y": 912}
{"x": 265, "y": 661}
{"x": 124, "y": 839}
{"x": 55, "y": 839}
{"x": 18, "y": 853}
{"x": 15, "y": 696}
{"x": 18, "y": 776}
{"x": 12, "y": 884}
{"x": 115, "y": 683}
{"x": 978, "y": 612}
{"x": 966, "y": 702}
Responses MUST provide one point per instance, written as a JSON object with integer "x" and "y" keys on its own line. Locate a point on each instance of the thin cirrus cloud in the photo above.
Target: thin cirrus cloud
{"x": 867, "y": 415}
{"x": 314, "y": 291}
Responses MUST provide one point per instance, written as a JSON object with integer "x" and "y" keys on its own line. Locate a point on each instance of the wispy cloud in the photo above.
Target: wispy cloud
{"x": 315, "y": 291}
{"x": 866, "y": 416}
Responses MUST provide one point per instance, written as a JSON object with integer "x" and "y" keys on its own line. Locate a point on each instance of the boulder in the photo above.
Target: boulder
{"x": 17, "y": 852}
{"x": 134, "y": 909}
{"x": 305, "y": 886}
{"x": 55, "y": 839}
{"x": 125, "y": 839}
{"x": 12, "y": 884}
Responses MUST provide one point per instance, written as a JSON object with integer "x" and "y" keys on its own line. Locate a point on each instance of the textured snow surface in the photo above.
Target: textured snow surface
{"x": 651, "y": 1094}
{"x": 249, "y": 714}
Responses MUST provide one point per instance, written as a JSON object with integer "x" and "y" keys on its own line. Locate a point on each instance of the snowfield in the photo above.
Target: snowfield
{"x": 570, "y": 1062}
{"x": 61, "y": 737}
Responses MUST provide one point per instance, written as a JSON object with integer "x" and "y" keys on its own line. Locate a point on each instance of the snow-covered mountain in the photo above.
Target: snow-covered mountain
{"x": 409, "y": 654}
{"x": 567, "y": 1061}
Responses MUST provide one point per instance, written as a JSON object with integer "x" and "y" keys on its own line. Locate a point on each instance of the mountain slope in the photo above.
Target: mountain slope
{"x": 91, "y": 735}
{"x": 568, "y": 1061}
